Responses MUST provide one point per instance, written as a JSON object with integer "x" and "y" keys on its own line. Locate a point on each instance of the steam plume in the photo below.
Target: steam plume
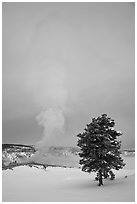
{"x": 50, "y": 94}
{"x": 52, "y": 120}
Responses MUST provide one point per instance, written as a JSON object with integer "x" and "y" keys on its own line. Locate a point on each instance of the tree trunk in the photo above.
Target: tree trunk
{"x": 100, "y": 177}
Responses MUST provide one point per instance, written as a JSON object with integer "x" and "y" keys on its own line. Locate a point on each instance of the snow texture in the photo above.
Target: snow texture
{"x": 25, "y": 184}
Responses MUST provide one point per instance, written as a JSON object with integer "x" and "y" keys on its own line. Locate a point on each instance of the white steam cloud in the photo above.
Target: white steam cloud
{"x": 54, "y": 42}
{"x": 52, "y": 120}
{"x": 48, "y": 86}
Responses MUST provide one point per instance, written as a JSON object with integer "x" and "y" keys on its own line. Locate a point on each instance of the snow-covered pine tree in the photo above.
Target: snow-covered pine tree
{"x": 100, "y": 150}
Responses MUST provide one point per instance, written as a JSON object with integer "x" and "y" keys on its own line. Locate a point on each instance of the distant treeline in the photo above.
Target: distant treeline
{"x": 6, "y": 146}
{"x": 73, "y": 149}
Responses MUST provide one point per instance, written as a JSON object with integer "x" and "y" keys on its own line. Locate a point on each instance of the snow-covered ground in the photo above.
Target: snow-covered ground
{"x": 25, "y": 184}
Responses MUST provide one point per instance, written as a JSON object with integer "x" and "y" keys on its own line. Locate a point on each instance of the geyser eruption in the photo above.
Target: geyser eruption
{"x": 52, "y": 120}
{"x": 48, "y": 85}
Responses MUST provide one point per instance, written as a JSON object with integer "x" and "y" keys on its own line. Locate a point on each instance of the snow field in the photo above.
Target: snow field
{"x": 25, "y": 184}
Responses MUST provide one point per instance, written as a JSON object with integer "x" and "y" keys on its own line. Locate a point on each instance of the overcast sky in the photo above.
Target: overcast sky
{"x": 76, "y": 58}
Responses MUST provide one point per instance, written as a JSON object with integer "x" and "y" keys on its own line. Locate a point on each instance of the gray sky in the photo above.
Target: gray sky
{"x": 74, "y": 58}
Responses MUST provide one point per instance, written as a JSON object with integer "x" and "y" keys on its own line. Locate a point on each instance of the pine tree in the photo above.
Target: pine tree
{"x": 100, "y": 150}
